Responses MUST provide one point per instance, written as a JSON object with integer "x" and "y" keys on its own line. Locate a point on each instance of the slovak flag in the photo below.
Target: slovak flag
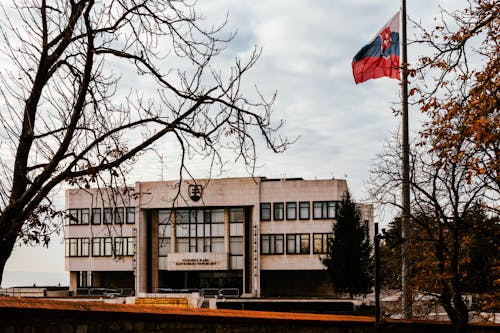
{"x": 380, "y": 57}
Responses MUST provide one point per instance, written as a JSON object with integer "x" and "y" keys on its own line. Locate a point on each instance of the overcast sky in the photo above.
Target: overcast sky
{"x": 307, "y": 51}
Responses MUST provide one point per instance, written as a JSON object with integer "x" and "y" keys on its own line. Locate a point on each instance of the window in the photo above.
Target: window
{"x": 164, "y": 246}
{"x": 73, "y": 217}
{"x": 321, "y": 243}
{"x": 324, "y": 209}
{"x": 218, "y": 244}
{"x": 236, "y": 221}
{"x": 236, "y": 218}
{"x": 236, "y": 229}
{"x": 85, "y": 279}
{"x": 101, "y": 247}
{"x": 297, "y": 244}
{"x": 96, "y": 215}
{"x": 199, "y": 230}
{"x": 77, "y": 247}
{"x": 130, "y": 217}
{"x": 108, "y": 215}
{"x": 78, "y": 216}
{"x": 124, "y": 246}
{"x": 182, "y": 245}
{"x": 278, "y": 211}
{"x": 236, "y": 246}
{"x": 265, "y": 211}
{"x": 271, "y": 244}
{"x": 119, "y": 215}
{"x": 304, "y": 210}
{"x": 236, "y": 215}
{"x": 164, "y": 216}
{"x": 291, "y": 210}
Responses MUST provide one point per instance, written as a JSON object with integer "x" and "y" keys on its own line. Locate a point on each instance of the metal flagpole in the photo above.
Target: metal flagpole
{"x": 405, "y": 219}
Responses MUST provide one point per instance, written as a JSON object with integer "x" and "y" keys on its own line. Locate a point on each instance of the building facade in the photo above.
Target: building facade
{"x": 262, "y": 236}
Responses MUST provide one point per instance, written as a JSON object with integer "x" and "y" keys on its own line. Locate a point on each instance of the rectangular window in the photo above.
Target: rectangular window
{"x": 236, "y": 229}
{"x": 181, "y": 217}
{"x": 202, "y": 230}
{"x": 297, "y": 244}
{"x": 271, "y": 244}
{"x": 72, "y": 216}
{"x": 324, "y": 209}
{"x": 164, "y": 230}
{"x": 218, "y": 244}
{"x": 235, "y": 262}
{"x": 278, "y": 210}
{"x": 164, "y": 216}
{"x": 236, "y": 218}
{"x": 77, "y": 247}
{"x": 265, "y": 211}
{"x": 119, "y": 215}
{"x": 96, "y": 215}
{"x": 291, "y": 210}
{"x": 164, "y": 246}
{"x": 304, "y": 210}
{"x": 124, "y": 246}
{"x": 130, "y": 217}
{"x": 218, "y": 230}
{"x": 236, "y": 215}
{"x": 84, "y": 216}
{"x": 217, "y": 216}
{"x": 108, "y": 215}
{"x": 101, "y": 247}
{"x": 182, "y": 245}
{"x": 84, "y": 279}
{"x": 236, "y": 246}
{"x": 321, "y": 243}
{"x": 78, "y": 216}
{"x": 331, "y": 209}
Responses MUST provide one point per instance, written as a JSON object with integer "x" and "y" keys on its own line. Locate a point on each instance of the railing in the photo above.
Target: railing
{"x": 205, "y": 292}
{"x": 108, "y": 292}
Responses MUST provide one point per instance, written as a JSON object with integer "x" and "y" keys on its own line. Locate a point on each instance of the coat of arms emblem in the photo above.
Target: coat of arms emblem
{"x": 195, "y": 192}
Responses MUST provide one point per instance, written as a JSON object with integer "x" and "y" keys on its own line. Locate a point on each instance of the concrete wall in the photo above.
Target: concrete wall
{"x": 29, "y": 315}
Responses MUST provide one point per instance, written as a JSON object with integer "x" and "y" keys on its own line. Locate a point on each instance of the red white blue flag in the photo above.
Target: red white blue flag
{"x": 380, "y": 57}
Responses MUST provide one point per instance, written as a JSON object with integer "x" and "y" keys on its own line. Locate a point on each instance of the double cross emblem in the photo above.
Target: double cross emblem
{"x": 195, "y": 192}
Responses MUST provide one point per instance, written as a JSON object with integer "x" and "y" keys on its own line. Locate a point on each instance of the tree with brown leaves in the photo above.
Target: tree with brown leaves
{"x": 458, "y": 87}
{"x": 444, "y": 198}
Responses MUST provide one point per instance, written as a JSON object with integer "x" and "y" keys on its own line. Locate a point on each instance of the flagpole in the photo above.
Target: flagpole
{"x": 405, "y": 219}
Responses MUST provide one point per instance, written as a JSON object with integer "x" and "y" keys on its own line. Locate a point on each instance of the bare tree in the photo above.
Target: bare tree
{"x": 75, "y": 108}
{"x": 444, "y": 195}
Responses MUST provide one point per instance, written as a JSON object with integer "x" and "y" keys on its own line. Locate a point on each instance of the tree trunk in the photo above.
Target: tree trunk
{"x": 460, "y": 326}
{"x": 6, "y": 246}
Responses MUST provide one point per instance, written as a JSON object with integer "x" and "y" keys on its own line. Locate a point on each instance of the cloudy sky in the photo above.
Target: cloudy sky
{"x": 307, "y": 51}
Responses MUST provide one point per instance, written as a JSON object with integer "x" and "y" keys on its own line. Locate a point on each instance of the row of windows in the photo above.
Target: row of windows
{"x": 295, "y": 243}
{"x": 206, "y": 245}
{"x": 108, "y": 215}
{"x": 200, "y": 230}
{"x": 200, "y": 216}
{"x": 290, "y": 210}
{"x": 101, "y": 246}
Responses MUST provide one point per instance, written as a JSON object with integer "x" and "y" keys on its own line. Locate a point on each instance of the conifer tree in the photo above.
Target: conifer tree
{"x": 349, "y": 261}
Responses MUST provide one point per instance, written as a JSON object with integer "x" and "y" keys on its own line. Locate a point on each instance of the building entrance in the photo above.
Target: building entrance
{"x": 201, "y": 279}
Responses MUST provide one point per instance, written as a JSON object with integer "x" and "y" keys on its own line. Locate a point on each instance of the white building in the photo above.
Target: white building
{"x": 262, "y": 236}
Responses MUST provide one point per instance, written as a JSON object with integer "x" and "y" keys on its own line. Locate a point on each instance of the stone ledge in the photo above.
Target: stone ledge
{"x": 17, "y": 305}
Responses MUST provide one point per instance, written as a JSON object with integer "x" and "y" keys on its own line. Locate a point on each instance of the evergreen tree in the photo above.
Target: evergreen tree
{"x": 349, "y": 261}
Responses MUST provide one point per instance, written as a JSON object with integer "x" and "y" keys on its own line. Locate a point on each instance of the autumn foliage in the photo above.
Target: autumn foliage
{"x": 458, "y": 88}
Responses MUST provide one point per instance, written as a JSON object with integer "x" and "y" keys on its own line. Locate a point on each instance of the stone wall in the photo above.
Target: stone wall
{"x": 35, "y": 315}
